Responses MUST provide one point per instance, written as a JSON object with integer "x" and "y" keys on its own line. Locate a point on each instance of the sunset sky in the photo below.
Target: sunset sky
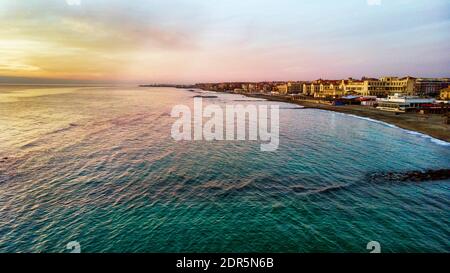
{"x": 187, "y": 41}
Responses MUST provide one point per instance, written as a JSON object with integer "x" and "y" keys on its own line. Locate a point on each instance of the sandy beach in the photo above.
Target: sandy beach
{"x": 430, "y": 124}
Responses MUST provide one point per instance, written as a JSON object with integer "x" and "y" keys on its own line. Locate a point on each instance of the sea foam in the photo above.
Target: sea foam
{"x": 430, "y": 138}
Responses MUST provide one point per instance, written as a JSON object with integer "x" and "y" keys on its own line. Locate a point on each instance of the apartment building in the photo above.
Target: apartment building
{"x": 289, "y": 88}
{"x": 379, "y": 87}
{"x": 430, "y": 86}
{"x": 318, "y": 88}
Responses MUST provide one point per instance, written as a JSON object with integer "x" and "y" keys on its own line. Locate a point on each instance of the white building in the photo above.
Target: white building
{"x": 399, "y": 103}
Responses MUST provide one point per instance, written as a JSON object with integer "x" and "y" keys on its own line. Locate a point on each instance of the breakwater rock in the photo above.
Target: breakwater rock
{"x": 411, "y": 176}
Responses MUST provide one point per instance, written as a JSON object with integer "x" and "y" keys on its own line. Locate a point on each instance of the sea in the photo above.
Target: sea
{"x": 97, "y": 165}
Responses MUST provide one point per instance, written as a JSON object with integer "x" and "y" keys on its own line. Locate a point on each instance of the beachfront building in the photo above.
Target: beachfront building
{"x": 445, "y": 93}
{"x": 392, "y": 85}
{"x": 244, "y": 86}
{"x": 310, "y": 89}
{"x": 266, "y": 88}
{"x": 329, "y": 89}
{"x": 289, "y": 88}
{"x": 379, "y": 87}
{"x": 431, "y": 87}
{"x": 306, "y": 88}
{"x": 354, "y": 87}
{"x": 400, "y": 103}
{"x": 252, "y": 88}
{"x": 330, "y": 93}
{"x": 294, "y": 88}
{"x": 249, "y": 88}
{"x": 327, "y": 86}
{"x": 320, "y": 88}
{"x": 282, "y": 89}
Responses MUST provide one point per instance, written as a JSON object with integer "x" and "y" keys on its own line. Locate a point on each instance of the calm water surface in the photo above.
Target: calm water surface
{"x": 98, "y": 165}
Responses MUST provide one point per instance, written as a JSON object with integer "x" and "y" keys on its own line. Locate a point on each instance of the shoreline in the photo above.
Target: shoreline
{"x": 432, "y": 125}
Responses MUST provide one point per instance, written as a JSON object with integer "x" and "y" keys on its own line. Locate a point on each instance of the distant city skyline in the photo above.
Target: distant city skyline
{"x": 194, "y": 41}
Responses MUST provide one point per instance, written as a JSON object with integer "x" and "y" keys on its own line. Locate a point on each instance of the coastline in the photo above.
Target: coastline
{"x": 432, "y": 125}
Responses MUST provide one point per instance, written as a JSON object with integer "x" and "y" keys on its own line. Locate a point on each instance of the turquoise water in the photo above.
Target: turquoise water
{"x": 98, "y": 166}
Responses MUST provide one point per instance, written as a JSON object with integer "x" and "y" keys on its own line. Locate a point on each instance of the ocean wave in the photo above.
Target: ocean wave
{"x": 331, "y": 188}
{"x": 432, "y": 139}
{"x": 425, "y": 136}
{"x": 318, "y": 190}
{"x": 374, "y": 120}
{"x": 64, "y": 129}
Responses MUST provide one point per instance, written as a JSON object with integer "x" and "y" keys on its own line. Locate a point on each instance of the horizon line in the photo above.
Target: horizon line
{"x": 5, "y": 81}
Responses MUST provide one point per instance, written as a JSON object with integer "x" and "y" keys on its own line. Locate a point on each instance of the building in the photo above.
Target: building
{"x": 252, "y": 88}
{"x": 266, "y": 88}
{"x": 354, "y": 87}
{"x": 445, "y": 93}
{"x": 330, "y": 93}
{"x": 400, "y": 103}
{"x": 392, "y": 85}
{"x": 308, "y": 88}
{"x": 294, "y": 88}
{"x": 289, "y": 88}
{"x": 330, "y": 89}
{"x": 379, "y": 87}
{"x": 431, "y": 87}
{"x": 320, "y": 88}
{"x": 282, "y": 89}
